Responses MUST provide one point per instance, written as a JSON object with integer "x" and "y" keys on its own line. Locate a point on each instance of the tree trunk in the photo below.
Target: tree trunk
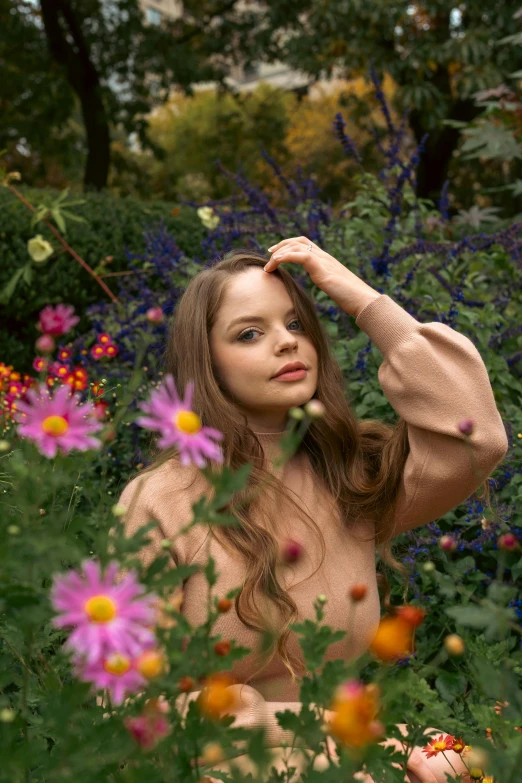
{"x": 440, "y": 146}
{"x": 61, "y": 23}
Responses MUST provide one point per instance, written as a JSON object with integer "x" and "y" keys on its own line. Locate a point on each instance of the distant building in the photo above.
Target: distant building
{"x": 277, "y": 74}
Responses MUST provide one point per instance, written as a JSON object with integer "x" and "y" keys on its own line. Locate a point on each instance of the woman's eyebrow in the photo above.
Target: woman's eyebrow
{"x": 251, "y": 318}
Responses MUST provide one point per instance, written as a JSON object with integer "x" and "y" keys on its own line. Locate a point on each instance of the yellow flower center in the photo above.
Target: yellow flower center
{"x": 55, "y": 425}
{"x": 117, "y": 664}
{"x": 187, "y": 421}
{"x": 100, "y": 609}
{"x": 441, "y": 745}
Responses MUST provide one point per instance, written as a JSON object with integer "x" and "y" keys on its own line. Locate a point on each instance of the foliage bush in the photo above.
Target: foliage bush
{"x": 56, "y": 513}
{"x": 114, "y": 228}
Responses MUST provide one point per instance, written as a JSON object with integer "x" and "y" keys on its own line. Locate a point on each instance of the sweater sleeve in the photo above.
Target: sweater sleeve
{"x": 434, "y": 377}
{"x": 253, "y": 712}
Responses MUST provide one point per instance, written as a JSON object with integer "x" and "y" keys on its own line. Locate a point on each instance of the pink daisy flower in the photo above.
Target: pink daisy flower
{"x": 57, "y": 422}
{"x": 113, "y": 672}
{"x": 179, "y": 425}
{"x": 108, "y": 617}
{"x": 57, "y": 320}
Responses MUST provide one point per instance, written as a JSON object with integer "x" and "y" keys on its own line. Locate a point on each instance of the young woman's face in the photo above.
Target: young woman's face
{"x": 249, "y": 353}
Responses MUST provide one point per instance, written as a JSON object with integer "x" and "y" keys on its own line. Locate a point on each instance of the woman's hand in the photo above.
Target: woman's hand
{"x": 417, "y": 768}
{"x": 346, "y": 289}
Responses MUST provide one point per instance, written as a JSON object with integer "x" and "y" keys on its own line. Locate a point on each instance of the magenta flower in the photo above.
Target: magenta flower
{"x": 179, "y": 425}
{"x": 57, "y": 320}
{"x": 108, "y": 617}
{"x": 57, "y": 422}
{"x": 148, "y": 729}
{"x": 113, "y": 672}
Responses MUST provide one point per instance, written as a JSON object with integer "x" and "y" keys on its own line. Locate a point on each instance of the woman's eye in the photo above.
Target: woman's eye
{"x": 247, "y": 331}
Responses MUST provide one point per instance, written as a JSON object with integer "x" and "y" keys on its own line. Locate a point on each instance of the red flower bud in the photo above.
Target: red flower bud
{"x": 291, "y": 551}
{"x": 45, "y": 344}
{"x": 413, "y": 615}
{"x": 222, "y": 648}
{"x": 358, "y": 592}
{"x": 224, "y": 605}
{"x": 508, "y": 542}
{"x": 185, "y": 684}
{"x": 447, "y": 543}
{"x": 466, "y": 426}
{"x": 155, "y": 315}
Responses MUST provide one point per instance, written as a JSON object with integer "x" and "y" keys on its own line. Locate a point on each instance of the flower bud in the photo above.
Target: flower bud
{"x": 222, "y": 648}
{"x": 466, "y": 426}
{"x": 291, "y": 551}
{"x": 447, "y": 543}
{"x": 45, "y": 344}
{"x": 119, "y": 510}
{"x": 4, "y": 445}
{"x": 185, "y": 684}
{"x": 296, "y": 413}
{"x": 413, "y": 615}
{"x": 508, "y": 542}
{"x": 224, "y": 605}
{"x": 13, "y": 530}
{"x": 150, "y": 664}
{"x": 155, "y": 315}
{"x": 212, "y": 753}
{"x": 428, "y": 567}
{"x": 454, "y": 644}
{"x": 358, "y": 592}
{"x": 315, "y": 409}
{"x": 7, "y": 715}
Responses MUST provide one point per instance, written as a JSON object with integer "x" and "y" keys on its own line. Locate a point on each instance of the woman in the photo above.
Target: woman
{"x": 351, "y": 485}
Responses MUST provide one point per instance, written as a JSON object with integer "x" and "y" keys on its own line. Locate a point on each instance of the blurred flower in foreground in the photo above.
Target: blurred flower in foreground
{"x": 355, "y": 707}
{"x": 57, "y": 320}
{"x": 179, "y": 425}
{"x": 290, "y": 551}
{"x": 114, "y": 672}
{"x": 108, "y": 617}
{"x": 57, "y": 422}
{"x": 39, "y": 248}
{"x": 151, "y": 726}
{"x": 393, "y": 639}
{"x": 217, "y": 698}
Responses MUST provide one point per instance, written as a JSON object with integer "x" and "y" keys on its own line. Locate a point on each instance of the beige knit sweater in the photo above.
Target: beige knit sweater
{"x": 433, "y": 377}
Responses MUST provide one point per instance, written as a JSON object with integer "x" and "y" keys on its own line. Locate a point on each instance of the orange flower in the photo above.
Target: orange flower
{"x": 438, "y": 745}
{"x": 355, "y": 707}
{"x": 393, "y": 639}
{"x": 216, "y": 698}
{"x": 458, "y": 745}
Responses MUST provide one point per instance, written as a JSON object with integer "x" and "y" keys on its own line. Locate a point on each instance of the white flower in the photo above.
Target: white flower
{"x": 207, "y": 217}
{"x": 39, "y": 248}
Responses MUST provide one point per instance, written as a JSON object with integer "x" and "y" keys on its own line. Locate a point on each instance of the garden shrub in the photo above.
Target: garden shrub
{"x": 113, "y": 227}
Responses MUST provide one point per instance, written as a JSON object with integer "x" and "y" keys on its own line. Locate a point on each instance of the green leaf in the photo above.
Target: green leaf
{"x": 450, "y": 685}
{"x": 9, "y": 288}
{"x": 59, "y": 220}
{"x": 471, "y": 616}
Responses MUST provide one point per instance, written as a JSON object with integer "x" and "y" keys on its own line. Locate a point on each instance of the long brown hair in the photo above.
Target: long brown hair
{"x": 360, "y": 462}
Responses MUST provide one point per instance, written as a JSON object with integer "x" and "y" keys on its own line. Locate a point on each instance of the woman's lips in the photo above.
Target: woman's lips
{"x": 294, "y": 375}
